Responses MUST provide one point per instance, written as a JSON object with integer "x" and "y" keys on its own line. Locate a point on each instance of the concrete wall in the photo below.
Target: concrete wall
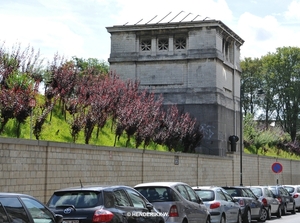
{"x": 202, "y": 78}
{"x": 40, "y": 167}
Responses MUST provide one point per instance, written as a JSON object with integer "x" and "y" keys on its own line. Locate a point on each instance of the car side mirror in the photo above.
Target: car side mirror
{"x": 149, "y": 206}
{"x": 59, "y": 218}
{"x": 200, "y": 201}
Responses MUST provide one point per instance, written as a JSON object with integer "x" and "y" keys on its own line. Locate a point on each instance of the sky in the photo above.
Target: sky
{"x": 78, "y": 27}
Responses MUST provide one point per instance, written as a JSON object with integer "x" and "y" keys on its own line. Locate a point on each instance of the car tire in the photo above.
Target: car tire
{"x": 278, "y": 214}
{"x": 284, "y": 210}
{"x": 263, "y": 215}
{"x": 294, "y": 209}
{"x": 223, "y": 219}
{"x": 239, "y": 218}
{"x": 269, "y": 214}
{"x": 247, "y": 217}
{"x": 208, "y": 220}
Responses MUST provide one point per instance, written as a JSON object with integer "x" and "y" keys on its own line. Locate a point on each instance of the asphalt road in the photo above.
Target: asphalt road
{"x": 289, "y": 218}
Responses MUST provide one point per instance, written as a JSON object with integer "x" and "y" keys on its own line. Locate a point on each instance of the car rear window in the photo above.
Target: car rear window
{"x": 273, "y": 189}
{"x": 158, "y": 194}
{"x": 206, "y": 195}
{"x": 290, "y": 189}
{"x": 78, "y": 199}
{"x": 234, "y": 192}
{"x": 257, "y": 191}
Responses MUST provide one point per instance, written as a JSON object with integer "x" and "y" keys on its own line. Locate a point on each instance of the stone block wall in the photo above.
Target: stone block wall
{"x": 40, "y": 167}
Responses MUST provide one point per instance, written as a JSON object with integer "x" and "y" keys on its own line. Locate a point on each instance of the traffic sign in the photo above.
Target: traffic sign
{"x": 277, "y": 167}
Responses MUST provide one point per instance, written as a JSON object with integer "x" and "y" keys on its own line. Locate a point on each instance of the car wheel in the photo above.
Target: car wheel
{"x": 284, "y": 211}
{"x": 269, "y": 214}
{"x": 294, "y": 209}
{"x": 223, "y": 220}
{"x": 247, "y": 217}
{"x": 278, "y": 214}
{"x": 239, "y": 218}
{"x": 208, "y": 220}
{"x": 263, "y": 215}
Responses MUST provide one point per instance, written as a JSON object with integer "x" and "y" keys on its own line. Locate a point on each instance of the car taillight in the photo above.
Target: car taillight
{"x": 215, "y": 205}
{"x": 173, "y": 211}
{"x": 279, "y": 198}
{"x": 265, "y": 202}
{"x": 241, "y": 202}
{"x": 102, "y": 216}
{"x": 296, "y": 195}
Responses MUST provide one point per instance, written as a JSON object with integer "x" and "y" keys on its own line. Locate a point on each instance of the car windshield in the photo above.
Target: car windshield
{"x": 158, "y": 194}
{"x": 76, "y": 199}
{"x": 206, "y": 195}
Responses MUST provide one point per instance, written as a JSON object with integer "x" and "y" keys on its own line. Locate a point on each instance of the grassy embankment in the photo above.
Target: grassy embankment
{"x": 57, "y": 129}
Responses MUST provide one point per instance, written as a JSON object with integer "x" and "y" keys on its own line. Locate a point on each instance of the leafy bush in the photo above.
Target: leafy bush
{"x": 258, "y": 138}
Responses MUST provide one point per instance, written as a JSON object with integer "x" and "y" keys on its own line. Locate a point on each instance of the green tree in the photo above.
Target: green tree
{"x": 251, "y": 83}
{"x": 20, "y": 72}
{"x": 91, "y": 66}
{"x": 282, "y": 81}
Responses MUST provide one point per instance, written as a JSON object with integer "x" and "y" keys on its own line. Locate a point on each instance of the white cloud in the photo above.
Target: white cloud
{"x": 293, "y": 11}
{"x": 42, "y": 33}
{"x": 135, "y": 10}
{"x": 264, "y": 34}
{"x": 77, "y": 27}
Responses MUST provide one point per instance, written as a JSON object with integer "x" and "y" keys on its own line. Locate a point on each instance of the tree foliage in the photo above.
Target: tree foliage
{"x": 278, "y": 76}
{"x": 20, "y": 76}
{"x": 88, "y": 95}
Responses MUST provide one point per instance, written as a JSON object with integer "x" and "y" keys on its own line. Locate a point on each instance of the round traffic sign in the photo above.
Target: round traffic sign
{"x": 277, "y": 167}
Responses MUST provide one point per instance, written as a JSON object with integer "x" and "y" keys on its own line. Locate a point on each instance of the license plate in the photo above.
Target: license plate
{"x": 71, "y": 221}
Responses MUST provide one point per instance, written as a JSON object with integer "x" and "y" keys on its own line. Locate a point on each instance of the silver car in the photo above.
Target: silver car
{"x": 266, "y": 196}
{"x": 222, "y": 207}
{"x": 294, "y": 191}
{"x": 177, "y": 199}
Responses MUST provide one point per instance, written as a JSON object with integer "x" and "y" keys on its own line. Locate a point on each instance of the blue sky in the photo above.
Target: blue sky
{"x": 78, "y": 27}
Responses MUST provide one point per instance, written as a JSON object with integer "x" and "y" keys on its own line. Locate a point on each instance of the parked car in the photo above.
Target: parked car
{"x": 269, "y": 200}
{"x": 176, "y": 198}
{"x": 222, "y": 207}
{"x": 286, "y": 200}
{"x": 25, "y": 208}
{"x": 294, "y": 191}
{"x": 252, "y": 208}
{"x": 95, "y": 204}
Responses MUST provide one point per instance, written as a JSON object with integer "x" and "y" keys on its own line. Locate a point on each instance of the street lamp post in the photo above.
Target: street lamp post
{"x": 260, "y": 93}
{"x": 241, "y": 133}
{"x": 32, "y": 103}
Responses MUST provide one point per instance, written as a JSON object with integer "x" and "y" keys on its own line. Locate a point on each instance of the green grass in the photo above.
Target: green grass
{"x": 56, "y": 128}
{"x": 273, "y": 152}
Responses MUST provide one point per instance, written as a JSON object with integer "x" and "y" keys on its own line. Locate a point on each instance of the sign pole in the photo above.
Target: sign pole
{"x": 277, "y": 168}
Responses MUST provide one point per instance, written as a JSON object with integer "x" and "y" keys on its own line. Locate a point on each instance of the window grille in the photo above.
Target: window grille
{"x": 180, "y": 43}
{"x": 163, "y": 44}
{"x": 146, "y": 45}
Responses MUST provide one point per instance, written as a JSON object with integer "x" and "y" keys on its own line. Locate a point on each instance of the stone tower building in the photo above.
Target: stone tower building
{"x": 195, "y": 65}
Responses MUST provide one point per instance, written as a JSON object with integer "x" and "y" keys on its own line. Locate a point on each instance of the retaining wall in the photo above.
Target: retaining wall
{"x": 40, "y": 167}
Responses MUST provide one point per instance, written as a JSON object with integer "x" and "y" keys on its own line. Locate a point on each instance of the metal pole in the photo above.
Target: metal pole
{"x": 241, "y": 133}
{"x": 31, "y": 123}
